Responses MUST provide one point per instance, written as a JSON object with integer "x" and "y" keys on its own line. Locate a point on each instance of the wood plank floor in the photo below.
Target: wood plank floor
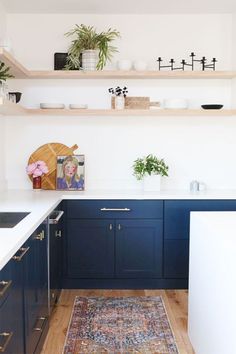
{"x": 176, "y": 303}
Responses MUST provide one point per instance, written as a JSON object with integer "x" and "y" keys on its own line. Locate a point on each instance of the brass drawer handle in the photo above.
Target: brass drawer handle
{"x": 40, "y": 236}
{"x": 43, "y": 319}
{"x": 6, "y": 285}
{"x": 7, "y": 337}
{"x": 115, "y": 209}
{"x": 24, "y": 250}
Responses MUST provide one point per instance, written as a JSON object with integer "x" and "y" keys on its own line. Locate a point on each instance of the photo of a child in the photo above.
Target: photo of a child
{"x": 70, "y": 172}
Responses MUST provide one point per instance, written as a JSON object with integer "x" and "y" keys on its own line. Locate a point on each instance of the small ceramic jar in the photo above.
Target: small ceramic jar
{"x": 140, "y": 65}
{"x": 124, "y": 64}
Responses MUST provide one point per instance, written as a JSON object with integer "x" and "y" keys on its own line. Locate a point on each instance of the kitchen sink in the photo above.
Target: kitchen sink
{"x": 11, "y": 219}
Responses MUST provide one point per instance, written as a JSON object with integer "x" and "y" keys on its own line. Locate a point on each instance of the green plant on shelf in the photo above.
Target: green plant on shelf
{"x": 86, "y": 38}
{"x": 4, "y": 72}
{"x": 149, "y": 165}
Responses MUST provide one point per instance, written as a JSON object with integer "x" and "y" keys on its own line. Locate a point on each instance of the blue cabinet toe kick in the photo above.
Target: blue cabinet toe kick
{"x": 125, "y": 283}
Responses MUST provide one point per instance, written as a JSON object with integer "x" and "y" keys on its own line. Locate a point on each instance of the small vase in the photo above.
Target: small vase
{"x": 152, "y": 183}
{"x": 89, "y": 60}
{"x": 119, "y": 102}
{"x": 37, "y": 183}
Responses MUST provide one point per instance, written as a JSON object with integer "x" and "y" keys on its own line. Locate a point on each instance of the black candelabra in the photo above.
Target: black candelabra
{"x": 203, "y": 62}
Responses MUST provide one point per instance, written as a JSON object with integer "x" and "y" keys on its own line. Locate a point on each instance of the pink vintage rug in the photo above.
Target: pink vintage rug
{"x": 119, "y": 325}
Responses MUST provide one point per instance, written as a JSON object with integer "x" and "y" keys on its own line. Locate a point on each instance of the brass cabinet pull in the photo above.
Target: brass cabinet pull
{"x": 40, "y": 236}
{"x": 115, "y": 209}
{"x": 43, "y": 319}
{"x": 6, "y": 285}
{"x": 7, "y": 337}
{"x": 58, "y": 233}
{"x": 24, "y": 250}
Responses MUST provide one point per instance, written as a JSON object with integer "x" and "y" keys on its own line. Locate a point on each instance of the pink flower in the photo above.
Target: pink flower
{"x": 30, "y": 168}
{"x": 37, "y": 172}
{"x": 37, "y": 168}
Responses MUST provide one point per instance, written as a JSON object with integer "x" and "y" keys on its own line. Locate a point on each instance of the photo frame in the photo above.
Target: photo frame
{"x": 70, "y": 172}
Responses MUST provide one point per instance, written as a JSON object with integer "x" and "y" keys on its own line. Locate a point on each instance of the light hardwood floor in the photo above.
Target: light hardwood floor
{"x": 176, "y": 303}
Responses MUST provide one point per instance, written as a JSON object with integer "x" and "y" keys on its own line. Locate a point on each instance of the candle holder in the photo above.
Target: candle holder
{"x": 202, "y": 61}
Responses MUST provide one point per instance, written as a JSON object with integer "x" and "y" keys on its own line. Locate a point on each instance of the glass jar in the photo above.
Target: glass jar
{"x": 37, "y": 183}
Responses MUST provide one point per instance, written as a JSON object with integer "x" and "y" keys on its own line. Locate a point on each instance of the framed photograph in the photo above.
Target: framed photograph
{"x": 70, "y": 172}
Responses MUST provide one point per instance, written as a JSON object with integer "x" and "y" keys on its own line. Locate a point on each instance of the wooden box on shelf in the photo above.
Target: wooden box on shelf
{"x": 134, "y": 102}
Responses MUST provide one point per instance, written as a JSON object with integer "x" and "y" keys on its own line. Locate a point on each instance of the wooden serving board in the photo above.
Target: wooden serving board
{"x": 133, "y": 102}
{"x": 48, "y": 153}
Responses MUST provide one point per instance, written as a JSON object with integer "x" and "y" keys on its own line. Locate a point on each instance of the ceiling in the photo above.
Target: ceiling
{"x": 120, "y": 6}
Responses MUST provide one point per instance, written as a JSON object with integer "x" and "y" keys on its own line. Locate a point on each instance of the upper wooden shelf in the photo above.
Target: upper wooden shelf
{"x": 20, "y": 72}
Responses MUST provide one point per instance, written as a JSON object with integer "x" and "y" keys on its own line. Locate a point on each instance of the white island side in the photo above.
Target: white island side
{"x": 212, "y": 282}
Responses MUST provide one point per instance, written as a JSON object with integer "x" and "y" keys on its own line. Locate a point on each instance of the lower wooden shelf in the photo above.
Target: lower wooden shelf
{"x": 12, "y": 109}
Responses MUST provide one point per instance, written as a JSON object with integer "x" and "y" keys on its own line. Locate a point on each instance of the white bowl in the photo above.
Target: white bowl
{"x": 78, "y": 106}
{"x": 124, "y": 64}
{"x": 52, "y": 105}
{"x": 140, "y": 65}
{"x": 175, "y": 103}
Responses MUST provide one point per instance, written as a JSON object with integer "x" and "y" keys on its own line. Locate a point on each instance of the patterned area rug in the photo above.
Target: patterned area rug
{"x": 119, "y": 325}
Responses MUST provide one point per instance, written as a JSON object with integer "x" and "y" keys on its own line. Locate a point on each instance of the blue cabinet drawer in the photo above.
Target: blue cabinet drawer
{"x": 177, "y": 214}
{"x": 125, "y": 209}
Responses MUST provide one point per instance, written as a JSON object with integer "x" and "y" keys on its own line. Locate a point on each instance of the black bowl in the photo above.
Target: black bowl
{"x": 212, "y": 106}
{"x": 17, "y": 95}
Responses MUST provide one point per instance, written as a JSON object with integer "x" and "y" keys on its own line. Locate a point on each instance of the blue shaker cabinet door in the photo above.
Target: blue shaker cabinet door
{"x": 90, "y": 248}
{"x": 176, "y": 259}
{"x": 139, "y": 248}
{"x": 36, "y": 289}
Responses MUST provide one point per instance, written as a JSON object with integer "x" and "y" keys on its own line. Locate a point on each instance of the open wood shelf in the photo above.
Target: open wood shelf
{"x": 20, "y": 72}
{"x": 12, "y": 109}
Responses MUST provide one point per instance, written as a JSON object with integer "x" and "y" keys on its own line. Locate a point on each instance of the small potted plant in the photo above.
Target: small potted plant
{"x": 119, "y": 95}
{"x": 150, "y": 169}
{"x": 4, "y": 75}
{"x": 95, "y": 48}
{"x": 37, "y": 170}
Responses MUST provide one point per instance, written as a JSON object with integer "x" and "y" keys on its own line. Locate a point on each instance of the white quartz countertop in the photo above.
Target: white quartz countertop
{"x": 41, "y": 203}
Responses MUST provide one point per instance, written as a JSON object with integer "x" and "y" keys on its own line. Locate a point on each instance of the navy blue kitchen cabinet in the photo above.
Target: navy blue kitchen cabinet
{"x": 113, "y": 243}
{"x": 36, "y": 291}
{"x": 90, "y": 248}
{"x": 139, "y": 248}
{"x": 11, "y": 305}
{"x": 176, "y": 232}
{"x": 177, "y": 214}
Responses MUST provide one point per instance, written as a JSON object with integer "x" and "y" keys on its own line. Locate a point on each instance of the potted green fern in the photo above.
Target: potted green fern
{"x": 94, "y": 47}
{"x": 4, "y": 72}
{"x": 150, "y": 169}
{"x": 4, "y": 75}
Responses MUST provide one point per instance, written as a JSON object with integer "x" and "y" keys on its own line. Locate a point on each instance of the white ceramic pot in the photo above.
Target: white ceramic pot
{"x": 124, "y": 64}
{"x": 119, "y": 102}
{"x": 89, "y": 60}
{"x": 176, "y": 103}
{"x": 140, "y": 65}
{"x": 152, "y": 183}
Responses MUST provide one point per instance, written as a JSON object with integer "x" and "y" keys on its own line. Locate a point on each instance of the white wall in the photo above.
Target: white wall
{"x": 194, "y": 147}
{"x": 234, "y": 58}
{"x": 2, "y": 120}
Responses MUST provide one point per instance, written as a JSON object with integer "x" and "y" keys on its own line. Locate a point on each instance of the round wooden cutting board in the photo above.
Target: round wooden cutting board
{"x": 48, "y": 153}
